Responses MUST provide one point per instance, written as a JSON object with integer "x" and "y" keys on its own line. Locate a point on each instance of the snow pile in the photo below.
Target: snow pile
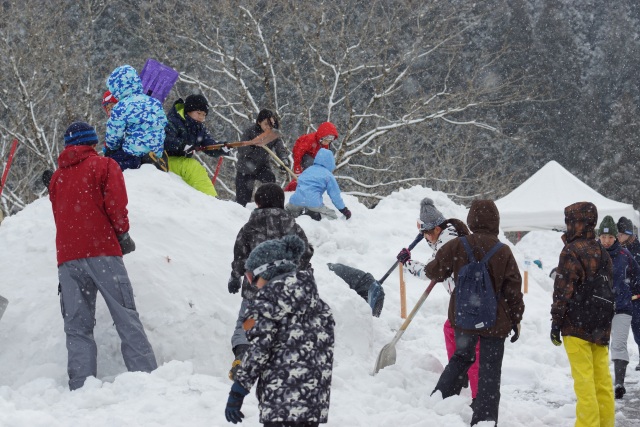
{"x": 179, "y": 273}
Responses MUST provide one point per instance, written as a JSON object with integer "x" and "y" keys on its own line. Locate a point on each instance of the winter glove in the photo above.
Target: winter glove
{"x": 555, "y": 335}
{"x": 346, "y": 212}
{"x": 234, "y": 284}
{"x": 234, "y": 403}
{"x": 126, "y": 243}
{"x": 46, "y": 177}
{"x": 287, "y": 163}
{"x": 404, "y": 256}
{"x": 516, "y": 332}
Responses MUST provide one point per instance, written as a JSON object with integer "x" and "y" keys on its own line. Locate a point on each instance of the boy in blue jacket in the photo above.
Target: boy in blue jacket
{"x": 135, "y": 129}
{"x": 312, "y": 184}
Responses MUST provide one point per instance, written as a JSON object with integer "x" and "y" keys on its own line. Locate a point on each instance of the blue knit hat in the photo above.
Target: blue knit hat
{"x": 80, "y": 133}
{"x": 275, "y": 257}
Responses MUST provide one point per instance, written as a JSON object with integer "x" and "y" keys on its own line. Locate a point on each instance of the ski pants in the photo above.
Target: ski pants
{"x": 193, "y": 173}
{"x": 80, "y": 280}
{"x": 450, "y": 342}
{"x": 619, "y": 337}
{"x": 239, "y": 337}
{"x": 324, "y": 211}
{"x": 245, "y": 183}
{"x": 591, "y": 382}
{"x": 485, "y": 405}
{"x": 635, "y": 321}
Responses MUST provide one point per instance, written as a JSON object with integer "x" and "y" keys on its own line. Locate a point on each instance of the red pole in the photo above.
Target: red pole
{"x": 215, "y": 175}
{"x": 8, "y": 166}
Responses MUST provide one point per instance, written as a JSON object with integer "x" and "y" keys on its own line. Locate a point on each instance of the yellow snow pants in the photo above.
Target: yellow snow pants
{"x": 193, "y": 173}
{"x": 591, "y": 382}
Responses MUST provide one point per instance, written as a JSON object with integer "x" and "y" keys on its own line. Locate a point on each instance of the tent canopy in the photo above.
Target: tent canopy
{"x": 539, "y": 202}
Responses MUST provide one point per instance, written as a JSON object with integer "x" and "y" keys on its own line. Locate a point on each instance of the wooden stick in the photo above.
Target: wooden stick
{"x": 403, "y": 293}
{"x": 260, "y": 140}
{"x": 280, "y": 162}
{"x": 526, "y": 281}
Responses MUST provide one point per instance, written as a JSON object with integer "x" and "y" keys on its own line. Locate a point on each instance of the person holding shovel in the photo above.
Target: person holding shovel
{"x": 185, "y": 133}
{"x": 253, "y": 161}
{"x": 437, "y": 231}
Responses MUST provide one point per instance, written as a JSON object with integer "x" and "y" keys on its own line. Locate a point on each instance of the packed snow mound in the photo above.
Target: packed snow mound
{"x": 179, "y": 271}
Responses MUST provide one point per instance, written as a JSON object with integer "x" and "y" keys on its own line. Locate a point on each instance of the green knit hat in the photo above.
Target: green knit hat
{"x": 608, "y": 226}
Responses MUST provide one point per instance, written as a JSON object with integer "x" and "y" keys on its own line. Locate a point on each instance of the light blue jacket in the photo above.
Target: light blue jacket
{"x": 317, "y": 179}
{"x": 137, "y": 121}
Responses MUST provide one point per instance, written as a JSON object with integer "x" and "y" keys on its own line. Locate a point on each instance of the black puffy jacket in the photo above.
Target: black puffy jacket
{"x": 253, "y": 158}
{"x": 183, "y": 132}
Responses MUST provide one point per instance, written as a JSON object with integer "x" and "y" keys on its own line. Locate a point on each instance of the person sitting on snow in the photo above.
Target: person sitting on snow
{"x": 185, "y": 133}
{"x": 268, "y": 221}
{"x": 291, "y": 334}
{"x": 89, "y": 201}
{"x": 108, "y": 102}
{"x": 312, "y": 184}
{"x": 135, "y": 129}
{"x": 307, "y": 146}
{"x": 437, "y": 231}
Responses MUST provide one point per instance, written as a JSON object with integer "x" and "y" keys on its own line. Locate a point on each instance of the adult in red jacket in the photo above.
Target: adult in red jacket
{"x": 89, "y": 201}
{"x": 307, "y": 146}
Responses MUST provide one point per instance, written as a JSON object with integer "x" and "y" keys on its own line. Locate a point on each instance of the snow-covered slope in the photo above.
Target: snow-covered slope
{"x": 179, "y": 273}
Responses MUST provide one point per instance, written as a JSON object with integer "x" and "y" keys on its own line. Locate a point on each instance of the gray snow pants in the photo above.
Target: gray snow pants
{"x": 80, "y": 280}
{"x": 324, "y": 211}
{"x": 619, "y": 336}
{"x": 239, "y": 337}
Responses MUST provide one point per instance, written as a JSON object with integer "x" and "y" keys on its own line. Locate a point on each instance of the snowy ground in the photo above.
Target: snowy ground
{"x": 179, "y": 273}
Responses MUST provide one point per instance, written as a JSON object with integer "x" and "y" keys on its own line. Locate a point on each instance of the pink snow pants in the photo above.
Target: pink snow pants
{"x": 450, "y": 342}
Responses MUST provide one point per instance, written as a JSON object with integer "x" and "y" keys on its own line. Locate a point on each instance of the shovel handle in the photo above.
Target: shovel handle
{"x": 413, "y": 244}
{"x": 405, "y": 325}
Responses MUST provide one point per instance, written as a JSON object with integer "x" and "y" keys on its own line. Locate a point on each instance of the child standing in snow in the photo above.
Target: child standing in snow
{"x": 185, "y": 132}
{"x": 268, "y": 221}
{"x": 253, "y": 161}
{"x": 89, "y": 201}
{"x": 582, "y": 258}
{"x": 135, "y": 129}
{"x": 629, "y": 241}
{"x": 437, "y": 231}
{"x": 291, "y": 331}
{"x": 312, "y": 184}
{"x": 626, "y": 274}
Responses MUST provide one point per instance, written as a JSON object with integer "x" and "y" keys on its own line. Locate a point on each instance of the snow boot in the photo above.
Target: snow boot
{"x": 619, "y": 369}
{"x": 363, "y": 283}
{"x": 238, "y": 352}
{"x": 161, "y": 163}
{"x": 316, "y": 216}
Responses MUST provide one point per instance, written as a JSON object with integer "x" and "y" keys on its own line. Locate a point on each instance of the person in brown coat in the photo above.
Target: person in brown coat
{"x": 483, "y": 221}
{"x": 580, "y": 260}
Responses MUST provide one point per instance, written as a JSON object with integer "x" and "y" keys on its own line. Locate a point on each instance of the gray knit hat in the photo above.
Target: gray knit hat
{"x": 275, "y": 257}
{"x": 429, "y": 215}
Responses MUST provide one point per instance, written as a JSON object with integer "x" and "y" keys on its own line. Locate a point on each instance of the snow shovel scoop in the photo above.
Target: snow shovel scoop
{"x": 3, "y": 305}
{"x": 387, "y": 356}
{"x": 364, "y": 284}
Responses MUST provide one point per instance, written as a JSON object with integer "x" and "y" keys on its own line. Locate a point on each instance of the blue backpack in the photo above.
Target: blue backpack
{"x": 476, "y": 302}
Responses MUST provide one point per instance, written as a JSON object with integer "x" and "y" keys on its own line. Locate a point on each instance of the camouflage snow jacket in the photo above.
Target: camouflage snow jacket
{"x": 265, "y": 224}
{"x": 290, "y": 329}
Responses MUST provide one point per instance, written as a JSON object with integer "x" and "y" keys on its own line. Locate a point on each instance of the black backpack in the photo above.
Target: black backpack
{"x": 476, "y": 302}
{"x": 593, "y": 303}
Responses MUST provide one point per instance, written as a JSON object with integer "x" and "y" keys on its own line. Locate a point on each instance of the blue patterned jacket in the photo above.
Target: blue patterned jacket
{"x": 137, "y": 121}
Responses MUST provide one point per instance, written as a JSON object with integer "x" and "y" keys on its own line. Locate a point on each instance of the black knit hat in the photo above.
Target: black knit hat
{"x": 625, "y": 226}
{"x": 269, "y": 195}
{"x": 267, "y": 114}
{"x": 80, "y": 133}
{"x": 196, "y": 103}
{"x": 275, "y": 257}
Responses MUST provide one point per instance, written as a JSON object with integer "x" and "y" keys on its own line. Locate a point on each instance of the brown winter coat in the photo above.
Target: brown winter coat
{"x": 484, "y": 221}
{"x": 579, "y": 260}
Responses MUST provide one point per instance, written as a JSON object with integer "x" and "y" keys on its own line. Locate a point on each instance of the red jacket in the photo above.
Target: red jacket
{"x": 89, "y": 201}
{"x": 310, "y": 144}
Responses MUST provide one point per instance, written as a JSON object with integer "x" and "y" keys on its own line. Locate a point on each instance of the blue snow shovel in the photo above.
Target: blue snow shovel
{"x": 3, "y": 305}
{"x": 387, "y": 356}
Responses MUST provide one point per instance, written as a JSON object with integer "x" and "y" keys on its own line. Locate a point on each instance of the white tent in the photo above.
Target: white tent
{"x": 539, "y": 202}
